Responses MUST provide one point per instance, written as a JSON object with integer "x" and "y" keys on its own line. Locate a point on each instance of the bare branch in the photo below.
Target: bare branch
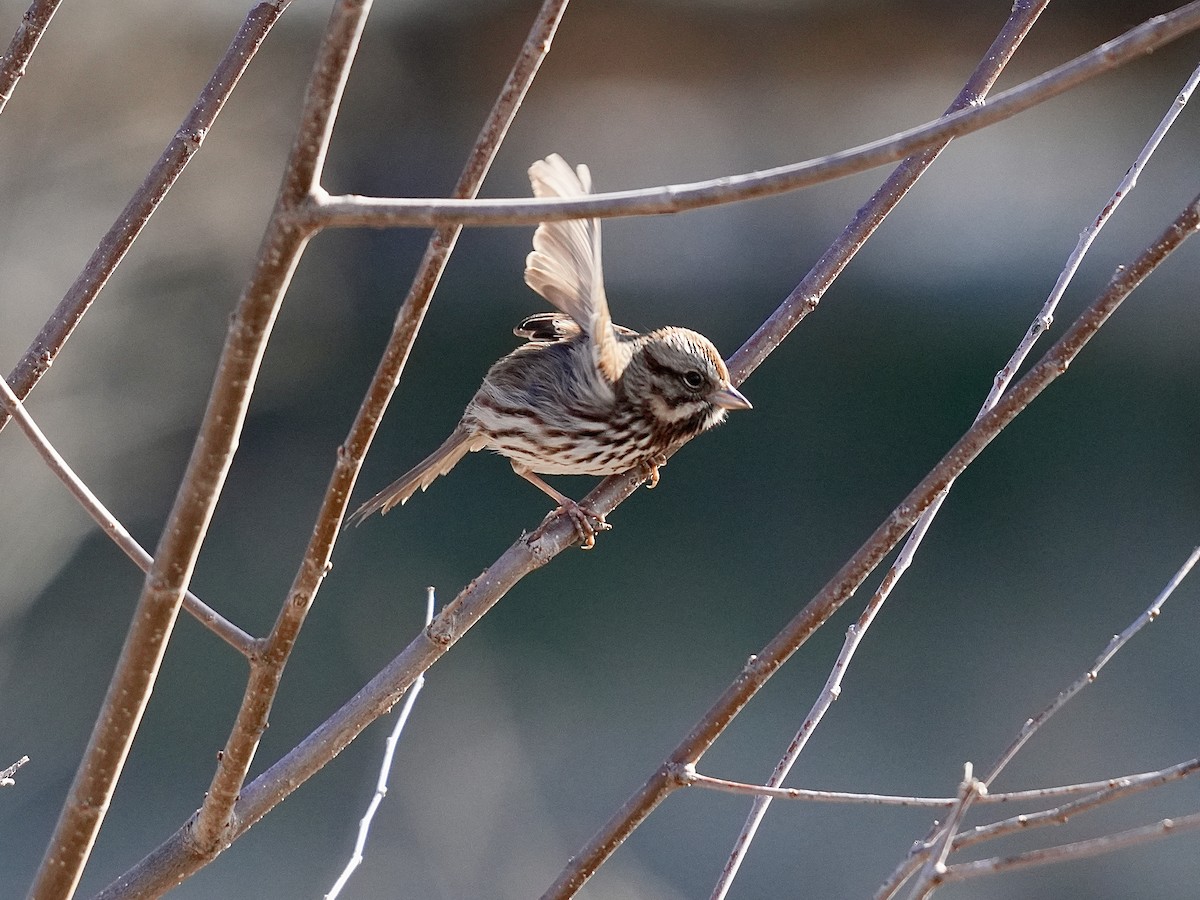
{"x": 226, "y": 813}
{"x": 1115, "y": 789}
{"x": 1149, "y": 615}
{"x": 353, "y": 211}
{"x": 847, "y": 580}
{"x": 24, "y": 42}
{"x": 1041, "y": 323}
{"x": 803, "y": 300}
{"x": 1074, "y": 851}
{"x": 210, "y": 618}
{"x": 1098, "y": 791}
{"x": 905, "y": 870}
{"x": 117, "y": 241}
{"x": 163, "y": 591}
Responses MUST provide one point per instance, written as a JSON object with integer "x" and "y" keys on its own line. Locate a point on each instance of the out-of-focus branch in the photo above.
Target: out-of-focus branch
{"x": 117, "y": 241}
{"x": 175, "y": 557}
{"x": 22, "y": 45}
{"x": 210, "y": 618}
{"x": 386, "y": 212}
{"x": 225, "y": 814}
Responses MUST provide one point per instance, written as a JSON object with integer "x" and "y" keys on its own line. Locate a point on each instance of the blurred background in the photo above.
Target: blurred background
{"x": 566, "y": 697}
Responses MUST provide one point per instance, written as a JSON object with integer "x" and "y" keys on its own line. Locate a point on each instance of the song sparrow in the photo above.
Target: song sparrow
{"x": 584, "y": 396}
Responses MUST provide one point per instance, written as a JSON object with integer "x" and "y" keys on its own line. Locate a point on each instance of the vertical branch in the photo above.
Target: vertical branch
{"x": 141, "y": 206}
{"x": 222, "y": 818}
{"x": 21, "y": 47}
{"x": 136, "y": 670}
{"x": 216, "y": 819}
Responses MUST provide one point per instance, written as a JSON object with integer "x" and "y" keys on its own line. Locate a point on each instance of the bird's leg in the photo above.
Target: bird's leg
{"x": 650, "y": 467}
{"x": 586, "y": 522}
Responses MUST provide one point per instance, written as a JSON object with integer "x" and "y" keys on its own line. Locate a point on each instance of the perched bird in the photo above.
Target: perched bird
{"x": 583, "y": 396}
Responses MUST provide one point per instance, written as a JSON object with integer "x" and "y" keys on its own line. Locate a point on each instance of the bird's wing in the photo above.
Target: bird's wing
{"x": 564, "y": 266}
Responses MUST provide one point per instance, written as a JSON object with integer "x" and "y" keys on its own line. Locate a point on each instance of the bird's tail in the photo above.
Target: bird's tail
{"x": 442, "y": 460}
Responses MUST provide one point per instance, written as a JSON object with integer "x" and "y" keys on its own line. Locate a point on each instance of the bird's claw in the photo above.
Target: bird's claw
{"x": 586, "y": 523}
{"x": 650, "y": 469}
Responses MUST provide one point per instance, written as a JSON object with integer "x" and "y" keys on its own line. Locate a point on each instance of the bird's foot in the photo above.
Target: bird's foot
{"x": 587, "y": 523}
{"x": 650, "y": 470}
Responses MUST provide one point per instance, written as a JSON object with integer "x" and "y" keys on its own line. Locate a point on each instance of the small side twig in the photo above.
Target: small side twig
{"x": 1115, "y": 789}
{"x": 6, "y": 777}
{"x": 905, "y": 870}
{"x": 1097, "y": 791}
{"x": 1109, "y": 843}
{"x": 206, "y": 615}
{"x": 385, "y": 768}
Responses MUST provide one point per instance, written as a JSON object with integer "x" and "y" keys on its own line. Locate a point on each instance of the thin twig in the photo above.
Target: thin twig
{"x": 904, "y": 871}
{"x": 6, "y": 777}
{"x": 210, "y": 618}
{"x": 385, "y": 768}
{"x": 24, "y": 42}
{"x": 935, "y": 860}
{"x": 1073, "y": 851}
{"x": 1116, "y": 789}
{"x": 1109, "y": 787}
{"x": 1021, "y": 19}
{"x": 117, "y": 241}
{"x": 1089, "y": 677}
{"x": 353, "y": 211}
{"x": 183, "y": 853}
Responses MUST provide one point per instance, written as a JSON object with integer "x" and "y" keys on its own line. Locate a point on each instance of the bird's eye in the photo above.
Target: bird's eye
{"x": 693, "y": 380}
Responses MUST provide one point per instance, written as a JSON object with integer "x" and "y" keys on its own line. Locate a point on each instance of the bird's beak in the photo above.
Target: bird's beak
{"x": 730, "y": 398}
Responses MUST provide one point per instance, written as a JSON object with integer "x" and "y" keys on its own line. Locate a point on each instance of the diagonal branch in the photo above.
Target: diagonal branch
{"x": 847, "y": 580}
{"x": 386, "y": 212}
{"x": 1040, "y": 325}
{"x": 803, "y": 300}
{"x": 117, "y": 241}
{"x": 24, "y": 42}
{"x": 208, "y": 617}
